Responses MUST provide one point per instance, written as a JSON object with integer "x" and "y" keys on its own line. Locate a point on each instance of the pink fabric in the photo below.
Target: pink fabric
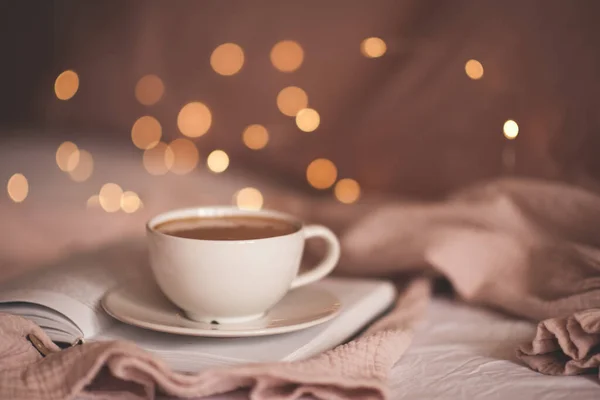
{"x": 528, "y": 248}
{"x": 357, "y": 370}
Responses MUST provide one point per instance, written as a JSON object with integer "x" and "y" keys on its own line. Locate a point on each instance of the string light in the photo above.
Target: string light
{"x": 185, "y": 156}
{"x": 130, "y": 202}
{"x": 146, "y": 132}
{"x": 66, "y": 85}
{"x": 67, "y": 156}
{"x": 110, "y": 197}
{"x": 287, "y": 56}
{"x": 159, "y": 159}
{"x": 217, "y": 161}
{"x": 255, "y": 137}
{"x": 93, "y": 201}
{"x": 474, "y": 69}
{"x": 308, "y": 119}
{"x": 373, "y": 47}
{"x": 194, "y": 119}
{"x": 249, "y": 199}
{"x": 227, "y": 59}
{"x": 321, "y": 173}
{"x": 17, "y": 188}
{"x": 347, "y": 191}
{"x": 511, "y": 129}
{"x": 84, "y": 168}
{"x": 291, "y": 99}
{"x": 149, "y": 90}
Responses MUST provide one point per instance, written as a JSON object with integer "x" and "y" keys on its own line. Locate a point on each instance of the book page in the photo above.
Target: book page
{"x": 75, "y": 285}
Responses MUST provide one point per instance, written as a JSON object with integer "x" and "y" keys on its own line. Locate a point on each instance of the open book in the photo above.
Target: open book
{"x": 64, "y": 299}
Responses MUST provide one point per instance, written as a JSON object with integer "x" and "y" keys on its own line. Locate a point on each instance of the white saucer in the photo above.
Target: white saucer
{"x": 147, "y": 307}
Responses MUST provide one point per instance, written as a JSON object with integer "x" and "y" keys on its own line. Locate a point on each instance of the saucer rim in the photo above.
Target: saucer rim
{"x": 201, "y": 332}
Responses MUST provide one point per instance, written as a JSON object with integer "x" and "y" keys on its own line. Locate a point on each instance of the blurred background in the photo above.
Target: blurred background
{"x": 334, "y": 99}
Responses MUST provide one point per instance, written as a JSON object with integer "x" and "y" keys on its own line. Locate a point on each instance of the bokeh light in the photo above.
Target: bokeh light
{"x": 217, "y": 161}
{"x": 93, "y": 201}
{"x": 73, "y": 160}
{"x": 110, "y": 197}
{"x": 511, "y": 129}
{"x": 67, "y": 156}
{"x": 149, "y": 90}
{"x": 474, "y": 69}
{"x": 255, "y": 137}
{"x": 291, "y": 99}
{"x": 159, "y": 159}
{"x": 287, "y": 55}
{"x": 66, "y": 85}
{"x": 321, "y": 173}
{"x": 17, "y": 188}
{"x": 227, "y": 59}
{"x": 194, "y": 119}
{"x": 347, "y": 191}
{"x": 308, "y": 120}
{"x": 84, "y": 168}
{"x": 185, "y": 156}
{"x": 373, "y": 47}
{"x": 249, "y": 199}
{"x": 130, "y": 202}
{"x": 146, "y": 132}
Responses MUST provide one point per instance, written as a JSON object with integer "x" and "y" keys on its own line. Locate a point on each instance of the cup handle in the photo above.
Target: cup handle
{"x": 328, "y": 263}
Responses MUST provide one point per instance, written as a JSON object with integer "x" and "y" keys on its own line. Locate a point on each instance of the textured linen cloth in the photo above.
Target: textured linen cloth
{"x": 528, "y": 248}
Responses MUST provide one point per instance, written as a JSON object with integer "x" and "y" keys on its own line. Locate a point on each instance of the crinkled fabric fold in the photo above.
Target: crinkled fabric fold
{"x": 565, "y": 346}
{"x": 528, "y": 248}
{"x": 356, "y": 370}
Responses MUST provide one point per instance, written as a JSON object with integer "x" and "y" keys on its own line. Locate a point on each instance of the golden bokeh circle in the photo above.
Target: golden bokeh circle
{"x": 159, "y": 159}
{"x": 287, "y": 55}
{"x": 347, "y": 191}
{"x": 66, "y": 85}
{"x": 149, "y": 90}
{"x": 185, "y": 156}
{"x": 217, "y": 161}
{"x": 146, "y": 132}
{"x": 255, "y": 137}
{"x": 511, "y": 129}
{"x": 474, "y": 69}
{"x": 373, "y": 47}
{"x": 84, "y": 168}
{"x": 67, "y": 156}
{"x": 291, "y": 100}
{"x": 110, "y": 197}
{"x": 321, "y": 173}
{"x": 130, "y": 202}
{"x": 308, "y": 119}
{"x": 17, "y": 188}
{"x": 249, "y": 198}
{"x": 194, "y": 119}
{"x": 227, "y": 59}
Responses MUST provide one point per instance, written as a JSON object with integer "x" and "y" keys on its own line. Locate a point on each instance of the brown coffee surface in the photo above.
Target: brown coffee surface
{"x": 226, "y": 228}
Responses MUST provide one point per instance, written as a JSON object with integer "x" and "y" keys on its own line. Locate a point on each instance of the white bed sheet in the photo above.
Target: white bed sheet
{"x": 459, "y": 352}
{"x": 465, "y": 352}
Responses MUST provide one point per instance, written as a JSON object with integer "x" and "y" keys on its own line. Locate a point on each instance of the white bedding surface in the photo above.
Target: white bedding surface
{"x": 460, "y": 352}
{"x": 467, "y": 353}
{"x": 464, "y": 352}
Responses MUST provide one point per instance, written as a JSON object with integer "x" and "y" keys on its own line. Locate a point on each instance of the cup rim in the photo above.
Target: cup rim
{"x": 219, "y": 211}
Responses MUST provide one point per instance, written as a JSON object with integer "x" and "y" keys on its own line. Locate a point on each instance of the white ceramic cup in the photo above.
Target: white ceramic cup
{"x": 229, "y": 281}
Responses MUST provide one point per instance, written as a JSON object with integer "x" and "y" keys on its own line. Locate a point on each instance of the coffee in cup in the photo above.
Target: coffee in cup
{"x": 228, "y": 265}
{"x": 237, "y": 227}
